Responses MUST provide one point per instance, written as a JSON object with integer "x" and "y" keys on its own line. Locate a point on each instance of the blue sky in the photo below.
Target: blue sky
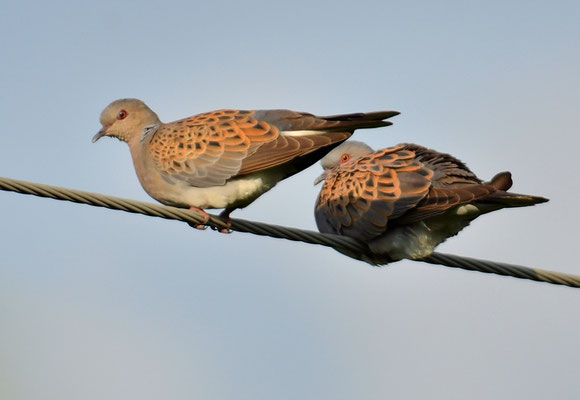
{"x": 102, "y": 304}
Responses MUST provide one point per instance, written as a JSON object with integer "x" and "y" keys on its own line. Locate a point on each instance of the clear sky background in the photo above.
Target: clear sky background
{"x": 98, "y": 304}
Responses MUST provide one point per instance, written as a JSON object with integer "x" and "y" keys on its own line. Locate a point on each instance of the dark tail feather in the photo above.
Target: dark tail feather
{"x": 362, "y": 120}
{"x": 508, "y": 199}
{"x": 502, "y": 181}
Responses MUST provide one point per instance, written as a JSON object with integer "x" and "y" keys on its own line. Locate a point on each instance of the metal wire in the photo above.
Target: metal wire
{"x": 494, "y": 267}
{"x": 350, "y": 246}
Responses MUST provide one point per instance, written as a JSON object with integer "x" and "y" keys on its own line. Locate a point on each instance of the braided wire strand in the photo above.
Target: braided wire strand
{"x": 340, "y": 243}
{"x": 499, "y": 268}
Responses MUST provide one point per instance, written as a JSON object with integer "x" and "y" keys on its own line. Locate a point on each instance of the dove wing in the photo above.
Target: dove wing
{"x": 208, "y": 149}
{"x": 448, "y": 170}
{"x": 438, "y": 201}
{"x": 360, "y": 197}
{"x": 303, "y": 134}
{"x": 453, "y": 184}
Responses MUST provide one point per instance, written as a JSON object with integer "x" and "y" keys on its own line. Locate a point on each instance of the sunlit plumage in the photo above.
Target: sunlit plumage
{"x": 226, "y": 158}
{"x": 404, "y": 200}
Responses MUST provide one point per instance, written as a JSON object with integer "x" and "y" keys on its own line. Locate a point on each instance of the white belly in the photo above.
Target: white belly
{"x": 235, "y": 193}
{"x": 419, "y": 239}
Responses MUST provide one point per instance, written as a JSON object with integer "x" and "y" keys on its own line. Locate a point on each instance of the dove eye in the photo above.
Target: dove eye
{"x": 345, "y": 158}
{"x": 122, "y": 114}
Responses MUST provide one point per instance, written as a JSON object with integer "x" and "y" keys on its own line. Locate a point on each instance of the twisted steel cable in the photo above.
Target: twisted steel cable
{"x": 340, "y": 243}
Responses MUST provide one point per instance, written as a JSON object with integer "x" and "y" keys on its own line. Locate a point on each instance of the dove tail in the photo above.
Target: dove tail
{"x": 508, "y": 199}
{"x": 374, "y": 119}
{"x": 502, "y": 182}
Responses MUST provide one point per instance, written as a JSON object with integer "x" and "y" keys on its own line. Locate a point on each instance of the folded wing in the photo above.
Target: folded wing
{"x": 208, "y": 149}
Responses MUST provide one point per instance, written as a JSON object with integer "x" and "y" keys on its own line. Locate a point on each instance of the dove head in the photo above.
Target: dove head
{"x": 342, "y": 154}
{"x": 126, "y": 119}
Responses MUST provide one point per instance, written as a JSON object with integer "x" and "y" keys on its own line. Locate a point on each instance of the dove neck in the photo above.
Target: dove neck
{"x": 144, "y": 166}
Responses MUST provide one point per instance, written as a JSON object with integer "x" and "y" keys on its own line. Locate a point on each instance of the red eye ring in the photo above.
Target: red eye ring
{"x": 122, "y": 114}
{"x": 344, "y": 158}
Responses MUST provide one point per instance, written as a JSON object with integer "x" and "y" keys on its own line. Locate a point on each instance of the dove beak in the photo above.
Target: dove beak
{"x": 101, "y": 133}
{"x": 321, "y": 177}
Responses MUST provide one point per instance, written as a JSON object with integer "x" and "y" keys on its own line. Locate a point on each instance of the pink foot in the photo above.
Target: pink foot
{"x": 205, "y": 217}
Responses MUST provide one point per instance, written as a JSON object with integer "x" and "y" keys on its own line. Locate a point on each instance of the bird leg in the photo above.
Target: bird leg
{"x": 225, "y": 215}
{"x": 205, "y": 217}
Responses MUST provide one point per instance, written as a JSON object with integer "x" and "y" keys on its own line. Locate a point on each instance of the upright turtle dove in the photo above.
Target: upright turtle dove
{"x": 227, "y": 158}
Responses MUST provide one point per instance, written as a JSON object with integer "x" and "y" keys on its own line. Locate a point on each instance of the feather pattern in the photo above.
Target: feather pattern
{"x": 225, "y": 158}
{"x": 208, "y": 149}
{"x": 371, "y": 195}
